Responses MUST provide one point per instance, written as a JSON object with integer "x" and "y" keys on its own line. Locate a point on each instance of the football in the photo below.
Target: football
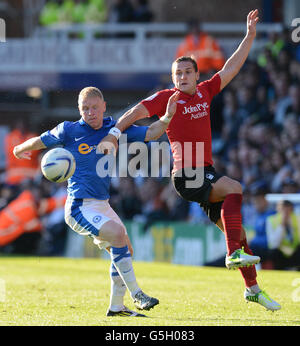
{"x": 58, "y": 165}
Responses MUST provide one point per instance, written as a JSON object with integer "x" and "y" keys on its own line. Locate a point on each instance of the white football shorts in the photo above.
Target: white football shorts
{"x": 87, "y": 216}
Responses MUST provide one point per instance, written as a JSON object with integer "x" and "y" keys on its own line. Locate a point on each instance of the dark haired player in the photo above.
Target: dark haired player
{"x": 220, "y": 196}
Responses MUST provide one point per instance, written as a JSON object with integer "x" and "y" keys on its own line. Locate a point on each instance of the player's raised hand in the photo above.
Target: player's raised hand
{"x": 171, "y": 106}
{"x": 252, "y": 19}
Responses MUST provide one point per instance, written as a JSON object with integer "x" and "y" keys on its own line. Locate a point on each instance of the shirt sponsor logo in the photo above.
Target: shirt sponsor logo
{"x": 84, "y": 148}
{"x": 197, "y": 111}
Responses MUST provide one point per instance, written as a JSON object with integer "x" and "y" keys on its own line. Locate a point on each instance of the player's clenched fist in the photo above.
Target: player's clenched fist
{"x": 21, "y": 155}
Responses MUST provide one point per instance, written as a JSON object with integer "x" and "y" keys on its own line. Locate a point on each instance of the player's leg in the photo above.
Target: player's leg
{"x": 248, "y": 273}
{"x": 211, "y": 196}
{"x": 86, "y": 217}
{"x": 95, "y": 218}
{"x": 230, "y": 192}
{"x": 252, "y": 293}
{"x": 128, "y": 242}
{"x": 142, "y": 301}
{"x": 118, "y": 290}
{"x": 221, "y": 190}
{"x": 114, "y": 233}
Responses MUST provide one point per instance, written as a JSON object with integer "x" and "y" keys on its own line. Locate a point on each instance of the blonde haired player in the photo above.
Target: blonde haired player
{"x": 87, "y": 210}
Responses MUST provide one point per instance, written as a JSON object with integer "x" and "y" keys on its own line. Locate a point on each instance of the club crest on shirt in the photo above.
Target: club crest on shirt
{"x": 199, "y": 94}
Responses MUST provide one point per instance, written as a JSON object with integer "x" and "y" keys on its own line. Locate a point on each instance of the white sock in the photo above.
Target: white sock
{"x": 255, "y": 289}
{"x": 122, "y": 261}
{"x": 118, "y": 290}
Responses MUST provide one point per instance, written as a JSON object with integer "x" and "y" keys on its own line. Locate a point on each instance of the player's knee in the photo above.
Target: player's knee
{"x": 113, "y": 232}
{"x": 118, "y": 232}
{"x": 235, "y": 187}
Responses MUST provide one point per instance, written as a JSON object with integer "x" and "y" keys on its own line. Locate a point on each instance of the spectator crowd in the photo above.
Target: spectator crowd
{"x": 95, "y": 11}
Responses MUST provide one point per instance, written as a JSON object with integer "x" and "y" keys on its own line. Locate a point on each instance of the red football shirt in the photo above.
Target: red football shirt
{"x": 189, "y": 131}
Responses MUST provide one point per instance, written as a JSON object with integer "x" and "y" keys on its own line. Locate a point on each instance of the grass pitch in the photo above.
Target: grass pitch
{"x": 39, "y": 291}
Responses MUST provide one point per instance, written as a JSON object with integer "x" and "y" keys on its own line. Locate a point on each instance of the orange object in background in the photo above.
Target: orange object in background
{"x": 23, "y": 215}
{"x": 19, "y": 170}
{"x": 201, "y": 47}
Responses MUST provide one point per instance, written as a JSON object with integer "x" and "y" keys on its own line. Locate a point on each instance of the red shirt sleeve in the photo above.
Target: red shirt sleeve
{"x": 156, "y": 104}
{"x": 212, "y": 85}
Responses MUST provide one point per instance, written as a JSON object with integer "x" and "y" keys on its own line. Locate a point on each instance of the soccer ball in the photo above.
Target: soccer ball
{"x": 58, "y": 165}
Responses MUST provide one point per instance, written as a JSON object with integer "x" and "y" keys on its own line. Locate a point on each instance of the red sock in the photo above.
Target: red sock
{"x": 248, "y": 273}
{"x": 232, "y": 220}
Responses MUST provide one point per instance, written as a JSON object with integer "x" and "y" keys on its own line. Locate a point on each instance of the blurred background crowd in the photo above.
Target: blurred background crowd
{"x": 255, "y": 127}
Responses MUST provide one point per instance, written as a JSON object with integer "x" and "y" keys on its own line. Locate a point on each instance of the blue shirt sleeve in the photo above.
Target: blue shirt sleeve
{"x": 54, "y": 137}
{"x": 136, "y": 133}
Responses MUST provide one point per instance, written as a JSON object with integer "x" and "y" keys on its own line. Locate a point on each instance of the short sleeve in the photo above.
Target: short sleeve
{"x": 53, "y": 137}
{"x": 212, "y": 85}
{"x": 136, "y": 133}
{"x": 156, "y": 104}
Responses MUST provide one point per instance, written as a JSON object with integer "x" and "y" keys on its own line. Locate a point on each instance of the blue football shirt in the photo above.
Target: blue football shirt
{"x": 82, "y": 140}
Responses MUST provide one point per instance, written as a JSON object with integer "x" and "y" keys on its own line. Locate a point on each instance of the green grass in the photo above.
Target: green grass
{"x": 61, "y": 291}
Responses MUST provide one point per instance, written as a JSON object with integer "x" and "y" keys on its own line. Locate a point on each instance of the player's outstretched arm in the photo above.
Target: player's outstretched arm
{"x": 236, "y": 61}
{"x": 23, "y": 150}
{"x": 110, "y": 142}
{"x": 156, "y": 129}
{"x": 131, "y": 116}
